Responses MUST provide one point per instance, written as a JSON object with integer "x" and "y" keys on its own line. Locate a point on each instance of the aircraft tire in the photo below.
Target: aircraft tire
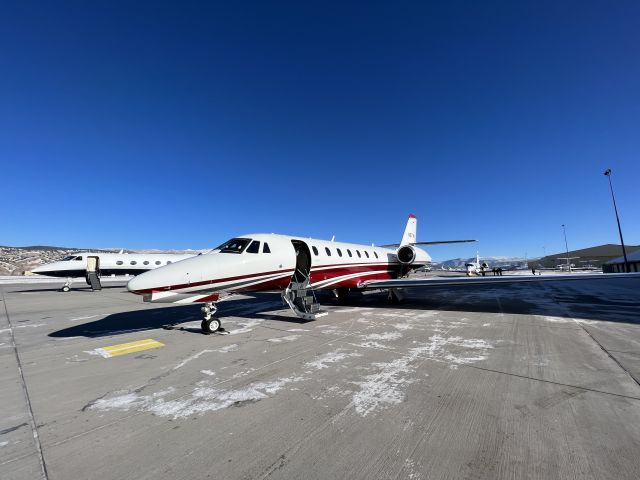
{"x": 210, "y": 326}
{"x": 65, "y": 288}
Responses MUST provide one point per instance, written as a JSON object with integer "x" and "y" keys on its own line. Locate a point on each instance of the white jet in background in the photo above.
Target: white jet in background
{"x": 91, "y": 266}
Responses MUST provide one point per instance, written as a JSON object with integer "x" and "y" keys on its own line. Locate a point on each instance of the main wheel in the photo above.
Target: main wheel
{"x": 210, "y": 326}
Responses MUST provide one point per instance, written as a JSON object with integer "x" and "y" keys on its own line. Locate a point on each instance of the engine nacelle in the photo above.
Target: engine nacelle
{"x": 406, "y": 254}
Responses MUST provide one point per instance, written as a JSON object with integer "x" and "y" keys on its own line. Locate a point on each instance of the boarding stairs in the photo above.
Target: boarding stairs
{"x": 94, "y": 281}
{"x": 301, "y": 299}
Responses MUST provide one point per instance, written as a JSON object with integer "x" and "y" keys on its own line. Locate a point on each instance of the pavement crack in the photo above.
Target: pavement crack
{"x": 631, "y": 375}
{"x": 526, "y": 377}
{"x": 25, "y": 391}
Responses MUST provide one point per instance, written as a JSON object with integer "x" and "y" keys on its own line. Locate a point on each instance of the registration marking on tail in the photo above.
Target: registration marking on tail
{"x": 130, "y": 347}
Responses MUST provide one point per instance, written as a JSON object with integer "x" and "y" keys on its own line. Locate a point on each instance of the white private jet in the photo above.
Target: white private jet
{"x": 91, "y": 266}
{"x": 297, "y": 267}
{"x": 476, "y": 268}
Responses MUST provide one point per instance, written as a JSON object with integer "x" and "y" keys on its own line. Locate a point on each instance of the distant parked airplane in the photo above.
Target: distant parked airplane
{"x": 298, "y": 266}
{"x": 92, "y": 266}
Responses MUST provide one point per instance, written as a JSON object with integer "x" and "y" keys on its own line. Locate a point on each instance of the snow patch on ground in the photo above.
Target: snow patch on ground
{"x": 244, "y": 373}
{"x": 100, "y": 352}
{"x": 229, "y": 348}
{"x": 355, "y": 309}
{"x": 245, "y": 327}
{"x": 200, "y": 400}
{"x": 75, "y": 319}
{"x": 298, "y": 330}
{"x": 208, "y": 372}
{"x": 551, "y": 319}
{"x": 371, "y": 344}
{"x": 23, "y": 326}
{"x": 288, "y": 338}
{"x": 192, "y": 357}
{"x": 332, "y": 357}
{"x": 387, "y": 386}
{"x": 383, "y": 336}
{"x": 403, "y": 326}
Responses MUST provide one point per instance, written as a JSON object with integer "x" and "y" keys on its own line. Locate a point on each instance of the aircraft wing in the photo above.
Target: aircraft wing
{"x": 492, "y": 280}
{"x": 435, "y": 242}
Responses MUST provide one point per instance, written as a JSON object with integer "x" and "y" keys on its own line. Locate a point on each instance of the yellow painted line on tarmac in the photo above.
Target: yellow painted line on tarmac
{"x": 130, "y": 347}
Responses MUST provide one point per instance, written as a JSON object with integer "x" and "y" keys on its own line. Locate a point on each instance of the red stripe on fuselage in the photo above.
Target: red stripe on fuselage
{"x": 168, "y": 288}
{"x": 318, "y": 273}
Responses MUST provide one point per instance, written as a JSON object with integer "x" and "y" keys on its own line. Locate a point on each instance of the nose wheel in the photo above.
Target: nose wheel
{"x": 67, "y": 285}
{"x": 210, "y": 324}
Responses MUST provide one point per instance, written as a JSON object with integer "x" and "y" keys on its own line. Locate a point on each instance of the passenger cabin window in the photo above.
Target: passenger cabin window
{"x": 235, "y": 245}
{"x": 146, "y": 262}
{"x": 326, "y": 249}
{"x": 158, "y": 262}
{"x": 358, "y": 252}
{"x": 366, "y": 254}
{"x": 349, "y": 252}
{"x": 315, "y": 250}
{"x": 265, "y": 248}
{"x": 339, "y": 252}
{"x": 119, "y": 262}
{"x": 133, "y": 262}
{"x": 254, "y": 247}
{"x": 169, "y": 261}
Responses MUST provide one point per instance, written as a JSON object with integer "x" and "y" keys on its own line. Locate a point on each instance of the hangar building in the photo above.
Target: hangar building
{"x": 592, "y": 257}
{"x": 617, "y": 264}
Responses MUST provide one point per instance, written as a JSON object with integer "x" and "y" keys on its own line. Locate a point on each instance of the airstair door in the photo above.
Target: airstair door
{"x": 299, "y": 295}
{"x": 93, "y": 272}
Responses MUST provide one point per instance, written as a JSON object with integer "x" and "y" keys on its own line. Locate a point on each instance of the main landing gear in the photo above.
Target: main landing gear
{"x": 209, "y": 324}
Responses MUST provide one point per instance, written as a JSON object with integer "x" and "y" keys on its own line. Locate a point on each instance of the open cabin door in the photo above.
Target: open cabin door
{"x": 93, "y": 272}
{"x": 299, "y": 295}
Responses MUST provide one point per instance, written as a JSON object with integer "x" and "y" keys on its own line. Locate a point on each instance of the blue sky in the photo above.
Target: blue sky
{"x": 178, "y": 125}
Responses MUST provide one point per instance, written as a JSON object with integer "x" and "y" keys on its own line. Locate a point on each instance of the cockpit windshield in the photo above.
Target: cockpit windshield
{"x": 71, "y": 257}
{"x": 235, "y": 245}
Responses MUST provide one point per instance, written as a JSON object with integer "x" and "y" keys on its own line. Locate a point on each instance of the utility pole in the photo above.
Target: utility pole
{"x": 607, "y": 173}
{"x": 566, "y": 246}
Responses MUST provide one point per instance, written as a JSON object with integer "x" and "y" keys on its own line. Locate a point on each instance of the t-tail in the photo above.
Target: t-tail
{"x": 409, "y": 236}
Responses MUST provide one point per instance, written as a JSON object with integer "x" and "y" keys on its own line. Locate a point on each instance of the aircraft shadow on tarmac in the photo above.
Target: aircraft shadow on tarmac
{"x": 563, "y": 301}
{"x": 171, "y": 317}
{"x": 512, "y": 299}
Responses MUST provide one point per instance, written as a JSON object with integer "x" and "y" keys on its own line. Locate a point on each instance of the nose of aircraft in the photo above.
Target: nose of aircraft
{"x": 142, "y": 283}
{"x": 164, "y": 278}
{"x": 44, "y": 269}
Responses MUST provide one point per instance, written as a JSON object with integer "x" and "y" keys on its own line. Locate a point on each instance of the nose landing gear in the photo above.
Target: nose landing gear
{"x": 209, "y": 324}
{"x": 67, "y": 285}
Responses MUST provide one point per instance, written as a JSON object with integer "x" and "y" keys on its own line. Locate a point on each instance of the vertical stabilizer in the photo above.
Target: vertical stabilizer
{"x": 410, "y": 231}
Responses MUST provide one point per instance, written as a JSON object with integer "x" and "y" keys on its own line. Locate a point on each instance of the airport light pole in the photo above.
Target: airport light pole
{"x": 607, "y": 173}
{"x": 566, "y": 246}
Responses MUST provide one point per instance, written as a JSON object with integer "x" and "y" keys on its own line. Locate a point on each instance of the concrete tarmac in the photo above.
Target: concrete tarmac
{"x": 523, "y": 381}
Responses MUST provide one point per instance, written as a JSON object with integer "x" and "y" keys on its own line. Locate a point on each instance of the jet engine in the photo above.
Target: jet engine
{"x": 406, "y": 254}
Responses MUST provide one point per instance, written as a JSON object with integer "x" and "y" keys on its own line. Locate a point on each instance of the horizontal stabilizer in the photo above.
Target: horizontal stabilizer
{"x": 435, "y": 242}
